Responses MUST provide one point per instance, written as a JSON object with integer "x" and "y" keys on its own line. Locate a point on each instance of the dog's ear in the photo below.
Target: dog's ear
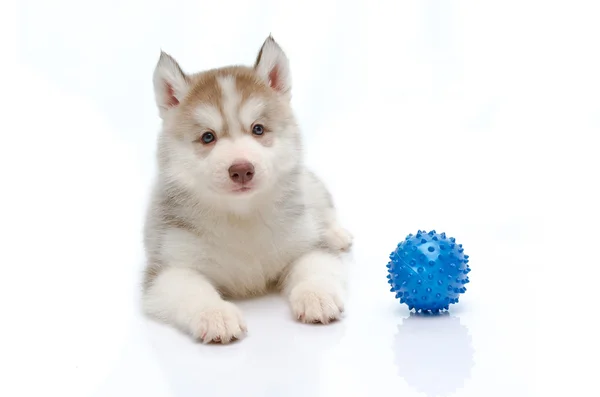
{"x": 273, "y": 67}
{"x": 170, "y": 84}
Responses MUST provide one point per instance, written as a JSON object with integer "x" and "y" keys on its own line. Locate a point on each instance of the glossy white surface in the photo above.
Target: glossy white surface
{"x": 460, "y": 117}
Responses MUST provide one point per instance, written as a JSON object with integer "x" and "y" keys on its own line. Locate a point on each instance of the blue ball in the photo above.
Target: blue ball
{"x": 428, "y": 271}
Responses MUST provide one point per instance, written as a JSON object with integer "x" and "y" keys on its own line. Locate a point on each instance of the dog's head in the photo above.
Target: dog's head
{"x": 230, "y": 133}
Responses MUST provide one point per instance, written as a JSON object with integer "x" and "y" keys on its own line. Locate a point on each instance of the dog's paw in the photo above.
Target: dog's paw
{"x": 221, "y": 323}
{"x": 338, "y": 238}
{"x": 312, "y": 303}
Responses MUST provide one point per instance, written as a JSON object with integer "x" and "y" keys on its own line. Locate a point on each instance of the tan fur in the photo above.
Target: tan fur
{"x": 206, "y": 90}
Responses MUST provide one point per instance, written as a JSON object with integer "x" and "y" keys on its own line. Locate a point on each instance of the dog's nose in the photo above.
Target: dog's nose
{"x": 241, "y": 172}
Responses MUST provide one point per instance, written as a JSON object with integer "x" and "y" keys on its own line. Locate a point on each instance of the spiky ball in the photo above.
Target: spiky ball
{"x": 428, "y": 271}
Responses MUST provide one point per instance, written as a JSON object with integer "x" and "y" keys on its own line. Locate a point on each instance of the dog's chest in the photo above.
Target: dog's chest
{"x": 250, "y": 256}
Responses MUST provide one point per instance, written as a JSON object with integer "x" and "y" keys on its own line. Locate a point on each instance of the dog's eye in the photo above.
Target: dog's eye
{"x": 258, "y": 129}
{"x": 208, "y": 137}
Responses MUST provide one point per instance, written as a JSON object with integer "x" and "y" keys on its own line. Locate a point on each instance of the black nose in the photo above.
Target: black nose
{"x": 241, "y": 172}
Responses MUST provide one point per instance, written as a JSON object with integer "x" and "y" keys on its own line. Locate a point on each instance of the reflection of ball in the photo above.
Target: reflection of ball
{"x": 434, "y": 353}
{"x": 428, "y": 271}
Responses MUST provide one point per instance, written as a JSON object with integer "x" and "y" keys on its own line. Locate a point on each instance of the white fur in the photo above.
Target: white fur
{"x": 209, "y": 116}
{"x": 205, "y": 243}
{"x": 187, "y": 299}
{"x": 250, "y": 111}
{"x": 313, "y": 287}
{"x": 231, "y": 104}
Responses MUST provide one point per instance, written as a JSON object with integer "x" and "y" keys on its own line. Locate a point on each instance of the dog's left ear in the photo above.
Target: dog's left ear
{"x": 273, "y": 67}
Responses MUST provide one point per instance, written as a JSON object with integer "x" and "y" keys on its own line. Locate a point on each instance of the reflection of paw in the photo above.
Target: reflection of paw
{"x": 338, "y": 238}
{"x": 221, "y": 322}
{"x": 312, "y": 303}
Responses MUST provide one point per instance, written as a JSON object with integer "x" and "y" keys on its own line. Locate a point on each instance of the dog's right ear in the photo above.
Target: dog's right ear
{"x": 170, "y": 84}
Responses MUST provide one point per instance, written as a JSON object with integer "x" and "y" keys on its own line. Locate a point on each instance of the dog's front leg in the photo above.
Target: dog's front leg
{"x": 315, "y": 286}
{"x": 185, "y": 298}
{"x": 336, "y": 237}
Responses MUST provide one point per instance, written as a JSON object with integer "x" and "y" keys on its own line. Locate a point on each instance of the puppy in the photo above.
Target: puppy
{"x": 233, "y": 211}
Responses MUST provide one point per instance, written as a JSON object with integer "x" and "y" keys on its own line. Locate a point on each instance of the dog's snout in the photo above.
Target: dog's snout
{"x": 241, "y": 172}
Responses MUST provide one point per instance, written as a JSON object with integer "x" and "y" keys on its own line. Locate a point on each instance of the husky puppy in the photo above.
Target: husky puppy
{"x": 234, "y": 212}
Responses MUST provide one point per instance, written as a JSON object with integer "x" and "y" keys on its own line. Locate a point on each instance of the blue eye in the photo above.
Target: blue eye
{"x": 258, "y": 129}
{"x": 208, "y": 137}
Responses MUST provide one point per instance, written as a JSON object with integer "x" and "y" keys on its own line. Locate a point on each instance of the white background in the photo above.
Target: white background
{"x": 479, "y": 119}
